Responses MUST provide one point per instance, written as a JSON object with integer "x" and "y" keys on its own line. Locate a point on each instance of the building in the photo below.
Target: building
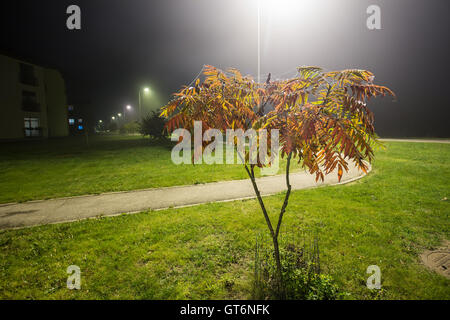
{"x": 32, "y": 101}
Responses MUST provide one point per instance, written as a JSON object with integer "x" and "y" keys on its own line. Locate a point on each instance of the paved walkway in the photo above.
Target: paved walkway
{"x": 418, "y": 140}
{"x": 17, "y": 215}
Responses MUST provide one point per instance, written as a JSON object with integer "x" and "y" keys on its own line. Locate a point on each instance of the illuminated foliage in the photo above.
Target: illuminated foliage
{"x": 322, "y": 116}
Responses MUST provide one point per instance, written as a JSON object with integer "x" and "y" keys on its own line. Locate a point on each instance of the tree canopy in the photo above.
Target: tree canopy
{"x": 322, "y": 117}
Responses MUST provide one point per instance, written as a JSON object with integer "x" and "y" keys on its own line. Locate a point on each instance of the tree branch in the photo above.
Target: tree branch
{"x": 286, "y": 197}
{"x": 260, "y": 200}
{"x": 262, "y": 106}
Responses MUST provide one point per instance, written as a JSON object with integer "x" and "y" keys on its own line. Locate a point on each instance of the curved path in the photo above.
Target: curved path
{"x": 418, "y": 140}
{"x": 18, "y": 215}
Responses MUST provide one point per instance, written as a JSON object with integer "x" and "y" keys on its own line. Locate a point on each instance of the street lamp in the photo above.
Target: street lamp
{"x": 113, "y": 118}
{"x": 125, "y": 109}
{"x": 119, "y": 115}
{"x": 146, "y": 91}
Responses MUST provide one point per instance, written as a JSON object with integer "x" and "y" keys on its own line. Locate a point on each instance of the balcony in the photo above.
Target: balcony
{"x": 28, "y": 80}
{"x": 27, "y": 75}
{"x": 31, "y": 106}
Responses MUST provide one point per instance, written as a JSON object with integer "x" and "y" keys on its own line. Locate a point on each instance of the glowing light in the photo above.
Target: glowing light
{"x": 285, "y": 8}
{"x": 128, "y": 107}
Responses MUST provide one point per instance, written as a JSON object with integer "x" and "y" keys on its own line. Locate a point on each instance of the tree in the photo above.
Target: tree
{"x": 130, "y": 127}
{"x": 113, "y": 126}
{"x": 322, "y": 118}
{"x": 153, "y": 125}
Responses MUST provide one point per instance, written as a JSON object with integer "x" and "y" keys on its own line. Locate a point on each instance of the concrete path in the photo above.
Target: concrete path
{"x": 418, "y": 140}
{"x": 18, "y": 215}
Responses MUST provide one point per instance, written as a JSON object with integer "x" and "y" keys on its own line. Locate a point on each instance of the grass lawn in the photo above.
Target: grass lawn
{"x": 206, "y": 251}
{"x": 68, "y": 167}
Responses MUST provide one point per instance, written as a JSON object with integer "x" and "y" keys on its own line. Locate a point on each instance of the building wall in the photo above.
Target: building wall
{"x": 56, "y": 104}
{"x": 11, "y": 117}
{"x": 39, "y": 89}
{"x": 49, "y": 89}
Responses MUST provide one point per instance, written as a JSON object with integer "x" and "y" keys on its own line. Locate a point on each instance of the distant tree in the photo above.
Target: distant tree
{"x": 153, "y": 125}
{"x": 100, "y": 127}
{"x": 322, "y": 117}
{"x": 130, "y": 127}
{"x": 113, "y": 126}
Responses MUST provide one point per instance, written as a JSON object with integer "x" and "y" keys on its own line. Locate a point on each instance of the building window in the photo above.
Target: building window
{"x": 29, "y": 101}
{"x": 70, "y": 108}
{"x": 71, "y": 122}
{"x": 27, "y": 75}
{"x": 32, "y": 128}
{"x": 80, "y": 120}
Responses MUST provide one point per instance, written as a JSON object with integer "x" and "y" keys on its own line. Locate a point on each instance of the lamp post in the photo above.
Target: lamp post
{"x": 125, "y": 109}
{"x": 146, "y": 91}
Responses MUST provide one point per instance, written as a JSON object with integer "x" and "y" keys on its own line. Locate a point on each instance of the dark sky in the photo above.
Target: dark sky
{"x": 163, "y": 44}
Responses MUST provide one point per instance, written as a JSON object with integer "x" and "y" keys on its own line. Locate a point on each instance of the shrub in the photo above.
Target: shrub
{"x": 153, "y": 125}
{"x": 112, "y": 127}
{"x": 130, "y": 128}
{"x": 301, "y": 277}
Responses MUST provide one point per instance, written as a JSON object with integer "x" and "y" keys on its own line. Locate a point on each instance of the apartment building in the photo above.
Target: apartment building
{"x": 32, "y": 101}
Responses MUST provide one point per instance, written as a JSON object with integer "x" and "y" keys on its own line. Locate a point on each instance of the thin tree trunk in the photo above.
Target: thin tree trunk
{"x": 286, "y": 197}
{"x": 251, "y": 174}
{"x": 260, "y": 200}
{"x": 273, "y": 233}
{"x": 276, "y": 250}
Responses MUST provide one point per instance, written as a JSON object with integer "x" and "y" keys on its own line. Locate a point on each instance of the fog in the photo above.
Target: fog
{"x": 124, "y": 45}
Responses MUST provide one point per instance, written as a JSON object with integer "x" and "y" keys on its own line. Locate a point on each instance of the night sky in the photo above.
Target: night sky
{"x": 126, "y": 44}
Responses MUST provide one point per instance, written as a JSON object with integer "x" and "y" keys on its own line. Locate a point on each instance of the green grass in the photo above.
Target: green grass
{"x": 68, "y": 167}
{"x": 206, "y": 251}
